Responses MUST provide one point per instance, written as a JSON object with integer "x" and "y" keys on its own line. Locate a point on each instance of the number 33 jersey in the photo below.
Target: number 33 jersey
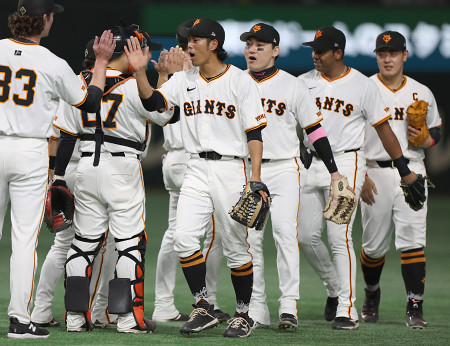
{"x": 32, "y": 81}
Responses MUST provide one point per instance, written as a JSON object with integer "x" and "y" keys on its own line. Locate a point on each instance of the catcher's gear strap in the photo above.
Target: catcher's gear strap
{"x": 119, "y": 296}
{"x": 86, "y": 254}
{"x": 138, "y": 282}
{"x": 64, "y": 152}
{"x": 111, "y": 81}
{"x": 76, "y": 298}
{"x": 115, "y": 140}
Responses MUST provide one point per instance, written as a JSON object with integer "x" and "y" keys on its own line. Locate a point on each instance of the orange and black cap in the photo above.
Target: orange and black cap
{"x": 391, "y": 40}
{"x": 205, "y": 27}
{"x": 327, "y": 38}
{"x": 37, "y": 8}
{"x": 263, "y": 32}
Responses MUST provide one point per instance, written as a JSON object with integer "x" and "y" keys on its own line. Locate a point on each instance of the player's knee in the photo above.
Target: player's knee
{"x": 183, "y": 244}
{"x": 76, "y": 298}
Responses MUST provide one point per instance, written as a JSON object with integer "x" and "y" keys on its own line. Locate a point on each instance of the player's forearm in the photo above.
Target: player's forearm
{"x": 64, "y": 153}
{"x": 99, "y": 74}
{"x": 318, "y": 138}
{"x": 144, "y": 87}
{"x": 255, "y": 148}
{"x": 162, "y": 78}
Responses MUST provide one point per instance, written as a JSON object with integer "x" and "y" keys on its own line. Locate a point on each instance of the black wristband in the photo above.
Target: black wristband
{"x": 402, "y": 166}
{"x": 51, "y": 162}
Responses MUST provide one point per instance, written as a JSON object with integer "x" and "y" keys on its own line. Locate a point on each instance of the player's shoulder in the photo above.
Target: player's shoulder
{"x": 411, "y": 82}
{"x": 310, "y": 75}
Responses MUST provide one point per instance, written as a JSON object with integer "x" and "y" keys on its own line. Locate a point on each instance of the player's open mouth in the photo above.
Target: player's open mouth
{"x": 252, "y": 58}
{"x": 192, "y": 55}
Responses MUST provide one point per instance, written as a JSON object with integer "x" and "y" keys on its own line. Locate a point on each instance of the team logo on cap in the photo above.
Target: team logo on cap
{"x": 86, "y": 53}
{"x": 318, "y": 34}
{"x": 387, "y": 38}
{"x": 22, "y": 10}
{"x": 256, "y": 28}
{"x": 196, "y": 22}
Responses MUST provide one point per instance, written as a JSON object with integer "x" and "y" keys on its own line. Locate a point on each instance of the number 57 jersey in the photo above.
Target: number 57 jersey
{"x": 32, "y": 81}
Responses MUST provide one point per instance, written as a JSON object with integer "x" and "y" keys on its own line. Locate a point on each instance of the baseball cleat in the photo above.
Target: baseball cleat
{"x": 221, "y": 316}
{"x": 150, "y": 326}
{"x": 178, "y": 318}
{"x": 331, "y": 308}
{"x": 199, "y": 319}
{"x": 52, "y": 323}
{"x": 19, "y": 330}
{"x": 240, "y": 326}
{"x": 84, "y": 328}
{"x": 345, "y": 323}
{"x": 369, "y": 310}
{"x": 414, "y": 316}
{"x": 99, "y": 325}
{"x": 288, "y": 321}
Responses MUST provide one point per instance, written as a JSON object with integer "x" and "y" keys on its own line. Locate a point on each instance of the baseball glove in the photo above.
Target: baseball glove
{"x": 415, "y": 192}
{"x": 416, "y": 117}
{"x": 59, "y": 207}
{"x": 341, "y": 203}
{"x": 251, "y": 210}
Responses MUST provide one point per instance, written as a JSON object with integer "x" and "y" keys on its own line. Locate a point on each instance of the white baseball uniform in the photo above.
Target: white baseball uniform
{"x": 390, "y": 205}
{"x": 110, "y": 196}
{"x": 32, "y": 80}
{"x": 215, "y": 115}
{"x": 346, "y": 103}
{"x": 286, "y": 101}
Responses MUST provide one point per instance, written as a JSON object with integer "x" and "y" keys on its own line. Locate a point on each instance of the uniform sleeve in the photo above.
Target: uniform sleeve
{"x": 306, "y": 111}
{"x": 373, "y": 107}
{"x": 170, "y": 90}
{"x": 68, "y": 86}
{"x": 250, "y": 107}
{"x": 65, "y": 119}
{"x": 433, "y": 117}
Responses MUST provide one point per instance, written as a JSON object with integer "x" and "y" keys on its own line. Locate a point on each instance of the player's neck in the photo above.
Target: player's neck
{"x": 36, "y": 38}
{"x": 393, "y": 82}
{"x": 212, "y": 68}
{"x": 337, "y": 71}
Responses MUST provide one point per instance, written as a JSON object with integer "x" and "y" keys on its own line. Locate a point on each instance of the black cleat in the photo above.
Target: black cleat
{"x": 331, "y": 308}
{"x": 180, "y": 318}
{"x": 345, "y": 323}
{"x": 369, "y": 310}
{"x": 199, "y": 319}
{"x": 414, "y": 315}
{"x": 150, "y": 326}
{"x": 52, "y": 323}
{"x": 221, "y": 316}
{"x": 19, "y": 330}
{"x": 288, "y": 321}
{"x": 240, "y": 326}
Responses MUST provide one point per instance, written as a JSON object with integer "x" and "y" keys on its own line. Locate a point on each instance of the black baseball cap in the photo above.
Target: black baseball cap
{"x": 327, "y": 38}
{"x": 183, "y": 40}
{"x": 37, "y": 8}
{"x": 392, "y": 40}
{"x": 89, "y": 50}
{"x": 205, "y": 27}
{"x": 263, "y": 32}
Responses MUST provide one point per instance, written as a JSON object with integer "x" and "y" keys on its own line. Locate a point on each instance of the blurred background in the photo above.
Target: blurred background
{"x": 425, "y": 24}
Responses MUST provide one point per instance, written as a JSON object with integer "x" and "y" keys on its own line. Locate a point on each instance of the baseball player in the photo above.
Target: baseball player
{"x": 52, "y": 268}
{"x": 109, "y": 192}
{"x": 221, "y": 120}
{"x": 32, "y": 82}
{"x": 382, "y": 196}
{"x": 347, "y": 100}
{"x": 286, "y": 102}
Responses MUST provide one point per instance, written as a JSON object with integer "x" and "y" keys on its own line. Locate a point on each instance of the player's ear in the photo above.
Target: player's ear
{"x": 405, "y": 55}
{"x": 213, "y": 44}
{"x": 276, "y": 51}
{"x": 338, "y": 54}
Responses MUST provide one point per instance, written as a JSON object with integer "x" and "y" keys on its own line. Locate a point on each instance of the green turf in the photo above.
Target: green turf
{"x": 313, "y": 329}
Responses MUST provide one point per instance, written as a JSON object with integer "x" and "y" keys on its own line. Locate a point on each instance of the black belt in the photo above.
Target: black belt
{"x": 314, "y": 153}
{"x": 262, "y": 161}
{"x": 210, "y": 155}
{"x": 389, "y": 163}
{"x": 88, "y": 154}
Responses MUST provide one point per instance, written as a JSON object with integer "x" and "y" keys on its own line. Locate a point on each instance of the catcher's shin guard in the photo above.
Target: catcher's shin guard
{"x": 131, "y": 265}
{"x": 78, "y": 274}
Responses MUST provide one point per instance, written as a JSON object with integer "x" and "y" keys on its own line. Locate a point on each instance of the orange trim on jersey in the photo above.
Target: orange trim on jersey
{"x": 191, "y": 264}
{"x": 117, "y": 84}
{"x": 99, "y": 271}
{"x": 382, "y": 121}
{"x": 414, "y": 260}
{"x": 342, "y": 76}
{"x": 84, "y": 100}
{"x": 143, "y": 201}
{"x": 256, "y": 127}
{"x": 54, "y": 138}
{"x": 296, "y": 221}
{"x": 25, "y": 43}
{"x": 35, "y": 246}
{"x": 242, "y": 273}
{"x": 212, "y": 239}
{"x": 394, "y": 91}
{"x": 216, "y": 77}
{"x": 411, "y": 254}
{"x": 264, "y": 79}
{"x": 312, "y": 125}
{"x": 65, "y": 131}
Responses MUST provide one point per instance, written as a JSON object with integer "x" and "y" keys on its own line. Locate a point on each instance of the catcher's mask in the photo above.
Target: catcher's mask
{"x": 123, "y": 33}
